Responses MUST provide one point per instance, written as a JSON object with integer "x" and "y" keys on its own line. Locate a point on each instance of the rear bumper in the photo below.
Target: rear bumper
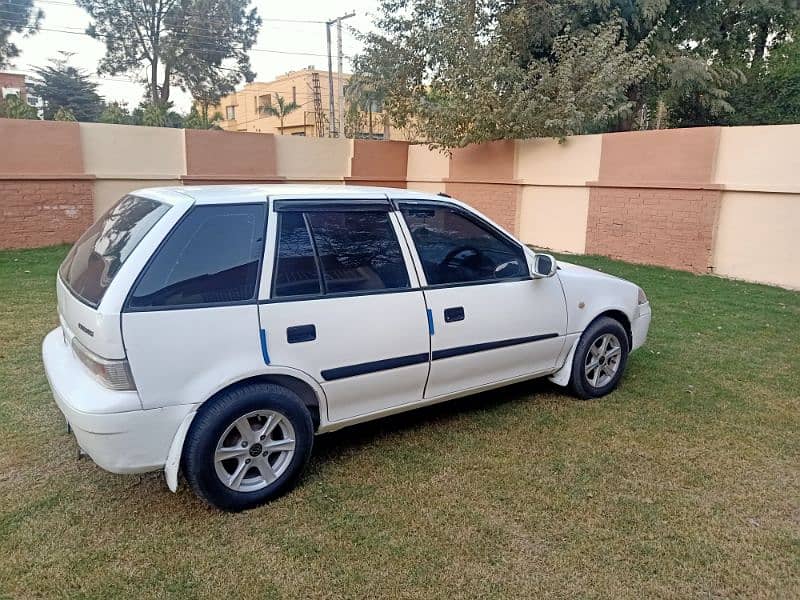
{"x": 640, "y": 326}
{"x": 110, "y": 426}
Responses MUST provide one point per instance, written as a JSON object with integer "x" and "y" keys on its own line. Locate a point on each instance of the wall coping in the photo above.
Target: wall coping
{"x": 45, "y": 176}
{"x": 374, "y": 179}
{"x": 483, "y": 181}
{"x": 665, "y": 185}
{"x": 233, "y": 178}
{"x": 146, "y": 176}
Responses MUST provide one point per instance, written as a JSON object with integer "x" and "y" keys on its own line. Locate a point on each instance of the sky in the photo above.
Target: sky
{"x": 291, "y": 39}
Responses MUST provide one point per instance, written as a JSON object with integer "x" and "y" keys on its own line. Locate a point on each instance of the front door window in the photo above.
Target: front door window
{"x": 455, "y": 248}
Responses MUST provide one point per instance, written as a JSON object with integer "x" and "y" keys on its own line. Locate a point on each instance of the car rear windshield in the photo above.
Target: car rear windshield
{"x": 96, "y": 257}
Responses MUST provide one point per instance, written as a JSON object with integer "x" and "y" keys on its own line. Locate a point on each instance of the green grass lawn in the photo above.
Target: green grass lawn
{"x": 684, "y": 482}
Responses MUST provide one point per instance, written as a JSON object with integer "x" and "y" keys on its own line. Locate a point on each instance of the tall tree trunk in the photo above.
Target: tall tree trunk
{"x": 760, "y": 42}
{"x": 154, "y": 80}
{"x": 165, "y": 86}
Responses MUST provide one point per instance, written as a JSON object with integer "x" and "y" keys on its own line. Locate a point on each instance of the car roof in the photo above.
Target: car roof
{"x": 218, "y": 194}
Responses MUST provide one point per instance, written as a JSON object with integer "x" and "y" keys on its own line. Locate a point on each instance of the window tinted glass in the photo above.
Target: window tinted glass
{"x": 211, "y": 257}
{"x": 97, "y": 256}
{"x": 358, "y": 251}
{"x": 296, "y": 268}
{"x": 455, "y": 248}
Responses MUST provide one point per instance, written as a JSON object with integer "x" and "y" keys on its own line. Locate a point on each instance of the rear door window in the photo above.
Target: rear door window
{"x": 358, "y": 251}
{"x": 97, "y": 256}
{"x": 296, "y": 272}
{"x": 212, "y": 257}
{"x": 337, "y": 252}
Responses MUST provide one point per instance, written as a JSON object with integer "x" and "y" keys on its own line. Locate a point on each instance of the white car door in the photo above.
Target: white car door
{"x": 343, "y": 304}
{"x": 490, "y": 321}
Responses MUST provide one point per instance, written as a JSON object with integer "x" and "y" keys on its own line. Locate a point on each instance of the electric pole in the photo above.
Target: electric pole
{"x": 336, "y": 130}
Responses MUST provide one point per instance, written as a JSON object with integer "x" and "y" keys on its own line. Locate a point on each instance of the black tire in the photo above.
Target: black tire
{"x": 581, "y": 381}
{"x": 216, "y": 417}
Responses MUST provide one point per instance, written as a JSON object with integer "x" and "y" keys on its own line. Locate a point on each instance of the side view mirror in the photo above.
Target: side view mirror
{"x": 544, "y": 265}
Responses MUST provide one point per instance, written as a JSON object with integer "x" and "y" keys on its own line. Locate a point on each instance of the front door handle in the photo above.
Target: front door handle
{"x": 456, "y": 313}
{"x": 301, "y": 333}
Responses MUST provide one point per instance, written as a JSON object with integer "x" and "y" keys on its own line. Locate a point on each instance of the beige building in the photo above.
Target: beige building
{"x": 245, "y": 109}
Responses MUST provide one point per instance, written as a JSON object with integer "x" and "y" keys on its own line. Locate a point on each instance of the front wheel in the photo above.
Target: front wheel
{"x": 248, "y": 446}
{"x": 600, "y": 359}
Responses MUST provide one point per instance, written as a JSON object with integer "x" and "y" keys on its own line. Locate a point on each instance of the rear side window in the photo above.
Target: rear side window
{"x": 334, "y": 252}
{"x": 212, "y": 257}
{"x": 97, "y": 256}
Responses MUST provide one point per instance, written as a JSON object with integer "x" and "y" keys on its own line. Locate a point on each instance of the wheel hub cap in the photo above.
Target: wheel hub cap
{"x": 603, "y": 360}
{"x": 254, "y": 450}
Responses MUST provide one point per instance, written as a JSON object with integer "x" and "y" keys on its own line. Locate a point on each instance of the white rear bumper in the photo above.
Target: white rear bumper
{"x": 110, "y": 426}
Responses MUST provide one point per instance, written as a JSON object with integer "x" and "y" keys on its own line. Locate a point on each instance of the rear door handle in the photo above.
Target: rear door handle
{"x": 301, "y": 333}
{"x": 455, "y": 313}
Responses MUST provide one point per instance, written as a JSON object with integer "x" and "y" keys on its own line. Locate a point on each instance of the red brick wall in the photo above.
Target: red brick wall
{"x": 668, "y": 227}
{"x": 36, "y": 212}
{"x": 498, "y": 201}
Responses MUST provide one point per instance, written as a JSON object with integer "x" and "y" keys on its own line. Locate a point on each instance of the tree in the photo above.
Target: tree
{"x": 116, "y": 113}
{"x": 181, "y": 42}
{"x": 198, "y": 120}
{"x": 157, "y": 115}
{"x": 62, "y": 86}
{"x": 503, "y": 70}
{"x": 14, "y": 107}
{"x": 16, "y": 16}
{"x": 771, "y": 94}
{"x": 282, "y": 109}
{"x": 64, "y": 114}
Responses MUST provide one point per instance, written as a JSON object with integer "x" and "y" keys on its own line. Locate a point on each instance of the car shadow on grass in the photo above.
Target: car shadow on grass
{"x": 493, "y": 405}
{"x": 329, "y": 446}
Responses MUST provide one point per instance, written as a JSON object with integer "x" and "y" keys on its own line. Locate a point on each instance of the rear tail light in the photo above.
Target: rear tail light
{"x": 114, "y": 374}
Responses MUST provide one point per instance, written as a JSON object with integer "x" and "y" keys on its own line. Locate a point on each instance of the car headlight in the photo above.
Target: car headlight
{"x": 642, "y": 297}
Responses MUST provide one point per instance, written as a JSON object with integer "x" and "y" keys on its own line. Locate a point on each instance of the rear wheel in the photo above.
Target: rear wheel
{"x": 248, "y": 446}
{"x": 600, "y": 359}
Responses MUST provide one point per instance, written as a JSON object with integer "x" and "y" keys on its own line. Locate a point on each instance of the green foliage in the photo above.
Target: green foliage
{"x": 14, "y": 107}
{"x": 280, "y": 110}
{"x": 116, "y": 113}
{"x": 197, "y": 119}
{"x": 16, "y": 16}
{"x": 181, "y": 43}
{"x": 464, "y": 72}
{"x": 62, "y": 86}
{"x": 64, "y": 114}
{"x": 158, "y": 114}
{"x": 771, "y": 93}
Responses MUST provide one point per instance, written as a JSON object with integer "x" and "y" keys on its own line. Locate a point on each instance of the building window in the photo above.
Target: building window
{"x": 230, "y": 113}
{"x": 264, "y": 102}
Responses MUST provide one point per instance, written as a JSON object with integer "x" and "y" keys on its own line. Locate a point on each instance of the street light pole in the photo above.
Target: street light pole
{"x": 331, "y": 124}
{"x": 336, "y": 129}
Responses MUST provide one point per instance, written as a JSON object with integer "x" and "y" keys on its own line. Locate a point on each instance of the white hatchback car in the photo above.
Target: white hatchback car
{"x": 214, "y": 330}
